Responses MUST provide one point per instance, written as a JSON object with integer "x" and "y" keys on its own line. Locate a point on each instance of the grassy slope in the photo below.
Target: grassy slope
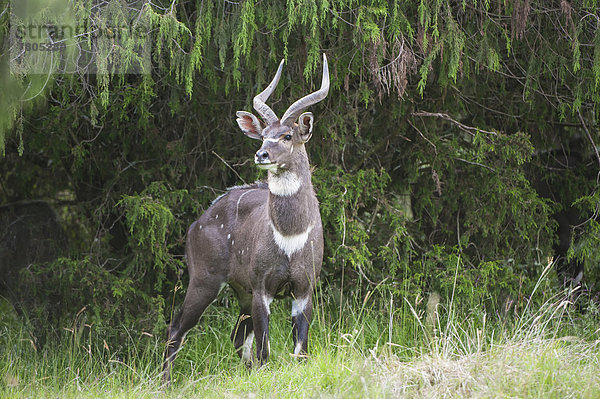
{"x": 367, "y": 352}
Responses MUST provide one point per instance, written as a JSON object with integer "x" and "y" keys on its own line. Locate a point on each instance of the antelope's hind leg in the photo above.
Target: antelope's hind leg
{"x": 242, "y": 335}
{"x": 260, "y": 321}
{"x": 301, "y": 317}
{"x": 200, "y": 294}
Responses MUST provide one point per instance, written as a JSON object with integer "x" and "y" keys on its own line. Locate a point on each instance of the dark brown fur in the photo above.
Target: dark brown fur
{"x": 264, "y": 240}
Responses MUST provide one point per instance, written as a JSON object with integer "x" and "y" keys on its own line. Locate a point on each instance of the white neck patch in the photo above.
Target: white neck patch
{"x": 284, "y": 184}
{"x": 292, "y": 243}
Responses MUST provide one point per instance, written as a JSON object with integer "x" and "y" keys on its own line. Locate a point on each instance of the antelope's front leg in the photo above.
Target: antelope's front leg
{"x": 260, "y": 319}
{"x": 301, "y": 316}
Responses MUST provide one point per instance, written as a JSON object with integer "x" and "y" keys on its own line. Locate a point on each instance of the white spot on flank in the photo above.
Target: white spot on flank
{"x": 298, "y": 306}
{"x": 247, "y": 347}
{"x": 284, "y": 184}
{"x": 293, "y": 243}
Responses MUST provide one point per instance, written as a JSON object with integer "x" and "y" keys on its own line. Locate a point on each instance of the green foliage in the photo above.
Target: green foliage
{"x": 344, "y": 198}
{"x": 443, "y": 121}
{"x": 585, "y": 243}
{"x": 149, "y": 218}
{"x": 59, "y": 291}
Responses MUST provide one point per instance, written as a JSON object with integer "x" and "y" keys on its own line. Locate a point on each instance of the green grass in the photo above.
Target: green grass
{"x": 388, "y": 348}
{"x": 548, "y": 352}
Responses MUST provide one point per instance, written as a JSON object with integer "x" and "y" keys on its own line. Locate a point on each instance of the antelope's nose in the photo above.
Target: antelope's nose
{"x": 262, "y": 156}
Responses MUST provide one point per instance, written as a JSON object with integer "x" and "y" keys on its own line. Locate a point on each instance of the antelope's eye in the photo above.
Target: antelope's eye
{"x": 287, "y": 137}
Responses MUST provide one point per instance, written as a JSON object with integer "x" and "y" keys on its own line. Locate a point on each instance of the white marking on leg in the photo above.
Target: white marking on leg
{"x": 293, "y": 243}
{"x": 267, "y": 302}
{"x": 247, "y": 347}
{"x": 298, "y": 348}
{"x": 284, "y": 184}
{"x": 298, "y": 306}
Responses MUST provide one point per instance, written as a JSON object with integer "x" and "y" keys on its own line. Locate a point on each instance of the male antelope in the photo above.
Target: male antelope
{"x": 264, "y": 240}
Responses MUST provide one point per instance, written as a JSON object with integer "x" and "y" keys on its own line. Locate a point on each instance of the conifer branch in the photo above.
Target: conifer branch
{"x": 469, "y": 129}
{"x": 589, "y": 136}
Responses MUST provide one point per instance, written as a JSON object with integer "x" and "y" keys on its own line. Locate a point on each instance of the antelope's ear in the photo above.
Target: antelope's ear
{"x": 305, "y": 126}
{"x": 249, "y": 124}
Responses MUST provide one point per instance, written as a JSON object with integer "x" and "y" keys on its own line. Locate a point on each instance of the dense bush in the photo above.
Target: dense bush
{"x": 441, "y": 118}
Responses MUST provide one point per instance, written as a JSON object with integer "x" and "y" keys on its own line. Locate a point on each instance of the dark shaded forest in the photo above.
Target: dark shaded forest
{"x": 458, "y": 138}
